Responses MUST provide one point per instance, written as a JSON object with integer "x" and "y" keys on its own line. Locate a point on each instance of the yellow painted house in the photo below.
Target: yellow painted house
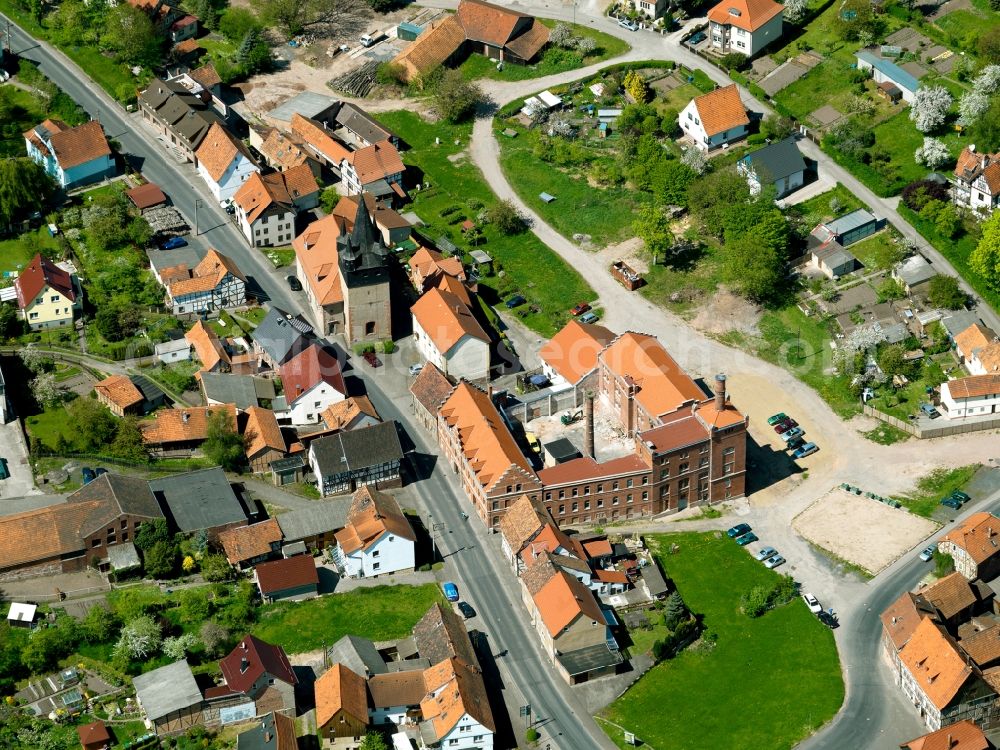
{"x": 47, "y": 295}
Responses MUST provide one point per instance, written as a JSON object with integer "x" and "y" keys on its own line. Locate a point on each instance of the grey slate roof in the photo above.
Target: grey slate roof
{"x": 914, "y": 270}
{"x": 184, "y": 113}
{"x": 242, "y": 390}
{"x": 307, "y": 104}
{"x": 123, "y": 556}
{"x": 119, "y": 495}
{"x": 197, "y": 500}
{"x": 319, "y": 518}
{"x": 357, "y": 449}
{"x": 651, "y": 575}
{"x": 848, "y": 222}
{"x": 167, "y": 689}
{"x": 149, "y": 390}
{"x": 440, "y": 634}
{"x": 359, "y": 655}
{"x": 281, "y": 335}
{"x": 358, "y": 121}
{"x": 589, "y": 658}
{"x": 177, "y": 345}
{"x": 777, "y": 160}
{"x": 957, "y": 322}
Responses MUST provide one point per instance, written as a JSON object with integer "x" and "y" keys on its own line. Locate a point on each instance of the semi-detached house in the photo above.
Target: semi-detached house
{"x": 224, "y": 163}
{"x": 976, "y": 181}
{"x": 449, "y": 336}
{"x": 974, "y": 396}
{"x": 47, "y": 295}
{"x": 377, "y": 540}
{"x": 312, "y": 381}
{"x": 182, "y": 117}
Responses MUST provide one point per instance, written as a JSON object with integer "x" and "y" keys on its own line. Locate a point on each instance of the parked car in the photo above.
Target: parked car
{"x": 580, "y": 309}
{"x": 697, "y": 38}
{"x": 88, "y": 475}
{"x": 951, "y": 502}
{"x": 450, "y": 591}
{"x": 533, "y": 443}
{"x": 588, "y": 317}
{"x": 466, "y": 610}
{"x": 174, "y": 242}
{"x": 929, "y": 410}
{"x": 371, "y": 359}
{"x": 415, "y": 369}
{"x": 792, "y": 433}
{"x": 959, "y": 495}
{"x": 738, "y": 530}
{"x": 293, "y": 283}
{"x": 795, "y": 443}
{"x": 746, "y": 539}
{"x": 928, "y": 553}
{"x": 813, "y": 603}
{"x": 4, "y": 469}
{"x": 783, "y": 427}
{"x": 773, "y": 562}
{"x": 806, "y": 450}
{"x": 516, "y": 301}
{"x": 627, "y": 24}
{"x": 776, "y": 418}
{"x": 765, "y": 552}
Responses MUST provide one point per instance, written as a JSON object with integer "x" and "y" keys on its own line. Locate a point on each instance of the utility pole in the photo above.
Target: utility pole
{"x": 197, "y": 208}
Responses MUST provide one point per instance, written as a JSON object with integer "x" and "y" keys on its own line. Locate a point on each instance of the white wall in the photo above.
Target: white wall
{"x": 469, "y": 358}
{"x": 388, "y": 555}
{"x": 235, "y": 175}
{"x": 270, "y": 230}
{"x": 465, "y": 732}
{"x": 968, "y": 407}
{"x": 307, "y": 407}
{"x": 764, "y": 35}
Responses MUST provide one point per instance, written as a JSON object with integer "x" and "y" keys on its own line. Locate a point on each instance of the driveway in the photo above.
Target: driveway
{"x": 13, "y": 449}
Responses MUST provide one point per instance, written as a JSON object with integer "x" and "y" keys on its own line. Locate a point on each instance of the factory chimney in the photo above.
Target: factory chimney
{"x": 588, "y": 425}
{"x": 720, "y": 392}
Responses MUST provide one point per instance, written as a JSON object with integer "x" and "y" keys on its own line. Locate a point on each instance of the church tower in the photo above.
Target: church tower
{"x": 365, "y": 277}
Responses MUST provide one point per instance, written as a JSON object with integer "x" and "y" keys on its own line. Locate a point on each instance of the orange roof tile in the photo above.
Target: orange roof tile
{"x": 432, "y": 48}
{"x": 962, "y": 735}
{"x": 974, "y": 337}
{"x": 260, "y": 192}
{"x": 454, "y": 689}
{"x": 341, "y": 414}
{"x": 662, "y": 384}
{"x": 950, "y": 595}
{"x": 580, "y": 469}
{"x": 431, "y": 387}
{"x": 246, "y": 542}
{"x": 485, "y": 22}
{"x": 722, "y": 109}
{"x": 182, "y": 425}
{"x": 749, "y": 15}
{"x": 992, "y": 177}
{"x": 573, "y": 351}
{"x": 933, "y": 659}
{"x": 903, "y": 615}
{"x": 80, "y": 145}
{"x": 316, "y": 252}
{"x": 453, "y": 286}
{"x": 597, "y": 547}
{"x": 716, "y": 419}
{"x": 120, "y": 391}
{"x": 262, "y": 432}
{"x": 319, "y": 139}
{"x": 969, "y": 162}
{"x": 187, "y": 47}
{"x": 206, "y": 75}
{"x": 446, "y": 320}
{"x": 207, "y": 275}
{"x": 522, "y": 522}
{"x": 978, "y": 535}
{"x": 207, "y": 346}
{"x": 983, "y": 646}
{"x": 427, "y": 264}
{"x": 372, "y": 515}
{"x": 218, "y": 150}
{"x": 339, "y": 689}
{"x": 989, "y": 357}
{"x": 281, "y": 151}
{"x": 376, "y": 162}
{"x": 307, "y": 369}
{"x": 562, "y": 600}
{"x": 976, "y": 386}
{"x": 299, "y": 181}
{"x": 38, "y": 274}
{"x": 43, "y": 533}
{"x": 486, "y": 442}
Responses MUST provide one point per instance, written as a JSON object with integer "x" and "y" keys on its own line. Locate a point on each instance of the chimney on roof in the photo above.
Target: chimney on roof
{"x": 588, "y": 424}
{"x": 972, "y": 148}
{"x": 719, "y": 388}
{"x": 185, "y": 416}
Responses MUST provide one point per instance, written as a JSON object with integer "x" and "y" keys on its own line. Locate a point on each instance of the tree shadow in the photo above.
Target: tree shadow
{"x": 684, "y": 256}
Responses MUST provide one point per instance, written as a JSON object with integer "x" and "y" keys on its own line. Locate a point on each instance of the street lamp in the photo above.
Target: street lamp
{"x": 197, "y": 207}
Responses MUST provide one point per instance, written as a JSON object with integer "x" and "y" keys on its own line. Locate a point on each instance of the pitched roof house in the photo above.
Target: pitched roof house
{"x": 974, "y": 546}
{"x": 271, "y": 732}
{"x": 319, "y": 142}
{"x": 182, "y": 117}
{"x": 427, "y": 392}
{"x": 224, "y": 162}
{"x": 497, "y": 32}
{"x": 120, "y": 395}
{"x": 71, "y": 156}
{"x": 962, "y": 735}
{"x": 208, "y": 348}
{"x": 280, "y": 337}
{"x": 428, "y": 265}
{"x": 288, "y": 578}
{"x": 344, "y": 461}
{"x": 283, "y": 151}
{"x": 317, "y": 266}
{"x": 449, "y": 336}
{"x": 94, "y": 736}
{"x": 971, "y": 340}
{"x": 181, "y": 431}
{"x": 47, "y": 295}
{"x": 215, "y": 283}
{"x": 245, "y": 546}
{"x": 473, "y": 436}
{"x": 170, "y": 698}
{"x": 376, "y": 169}
{"x": 312, "y": 381}
{"x": 886, "y": 71}
{"x": 377, "y": 539}
{"x": 349, "y": 414}
{"x": 264, "y": 441}
{"x": 952, "y": 597}
{"x": 441, "y": 635}
{"x": 715, "y": 119}
{"x": 455, "y": 704}
{"x": 977, "y": 395}
{"x": 262, "y": 672}
{"x": 200, "y": 500}
{"x": 976, "y": 181}
{"x": 744, "y": 26}
{"x": 778, "y": 165}
{"x": 341, "y": 704}
{"x": 571, "y": 355}
{"x": 266, "y": 205}
{"x": 528, "y": 527}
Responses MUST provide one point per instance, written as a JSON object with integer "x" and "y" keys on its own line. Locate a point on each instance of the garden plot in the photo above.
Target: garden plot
{"x": 861, "y": 531}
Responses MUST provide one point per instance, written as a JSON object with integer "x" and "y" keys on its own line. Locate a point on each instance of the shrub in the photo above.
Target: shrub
{"x": 735, "y": 61}
{"x": 917, "y": 194}
{"x": 531, "y": 735}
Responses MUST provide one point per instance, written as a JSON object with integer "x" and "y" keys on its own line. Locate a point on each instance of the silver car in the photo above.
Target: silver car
{"x": 773, "y": 562}
{"x": 765, "y": 552}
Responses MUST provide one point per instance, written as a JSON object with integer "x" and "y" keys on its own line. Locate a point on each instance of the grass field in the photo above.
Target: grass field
{"x": 785, "y": 663}
{"x": 15, "y": 253}
{"x": 931, "y": 488}
{"x": 552, "y": 61}
{"x": 379, "y": 613}
{"x": 457, "y": 189}
{"x": 963, "y": 25}
{"x": 904, "y": 402}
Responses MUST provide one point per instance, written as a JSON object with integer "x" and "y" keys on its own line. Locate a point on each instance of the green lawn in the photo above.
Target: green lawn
{"x": 15, "y": 253}
{"x": 691, "y": 280}
{"x": 49, "y": 425}
{"x": 931, "y": 488}
{"x": 963, "y": 26}
{"x": 380, "y": 613}
{"x": 904, "y": 402}
{"x": 768, "y": 682}
{"x": 279, "y": 256}
{"x": 552, "y": 61}
{"x": 878, "y": 252}
{"x": 819, "y": 206}
{"x": 456, "y": 191}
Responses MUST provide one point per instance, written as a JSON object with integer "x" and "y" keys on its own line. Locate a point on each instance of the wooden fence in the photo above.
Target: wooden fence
{"x": 943, "y": 430}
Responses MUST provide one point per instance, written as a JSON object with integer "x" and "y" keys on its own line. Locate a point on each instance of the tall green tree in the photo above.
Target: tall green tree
{"x": 293, "y": 17}
{"x": 456, "y": 99}
{"x": 653, "y": 227}
{"x": 130, "y": 34}
{"x": 129, "y": 443}
{"x": 945, "y": 292}
{"x": 985, "y": 259}
{"x": 752, "y": 267}
{"x": 160, "y": 560}
{"x": 93, "y": 425}
{"x": 224, "y": 445}
{"x": 151, "y": 533}
{"x": 24, "y": 188}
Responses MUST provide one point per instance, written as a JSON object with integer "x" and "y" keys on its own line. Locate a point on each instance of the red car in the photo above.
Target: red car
{"x": 580, "y": 309}
{"x": 371, "y": 359}
{"x": 785, "y": 426}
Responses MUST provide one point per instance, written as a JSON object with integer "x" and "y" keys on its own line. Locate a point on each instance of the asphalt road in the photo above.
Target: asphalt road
{"x": 472, "y": 562}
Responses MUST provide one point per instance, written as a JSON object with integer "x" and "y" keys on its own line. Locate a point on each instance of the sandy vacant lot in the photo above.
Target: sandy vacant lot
{"x": 861, "y": 531}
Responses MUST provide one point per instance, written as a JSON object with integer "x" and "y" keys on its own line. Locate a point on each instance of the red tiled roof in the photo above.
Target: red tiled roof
{"x": 643, "y": 360}
{"x": 433, "y": 47}
{"x": 319, "y": 138}
{"x": 38, "y": 274}
{"x": 219, "y": 148}
{"x": 93, "y": 734}
{"x": 749, "y": 15}
{"x": 978, "y": 535}
{"x": 247, "y": 542}
{"x": 582, "y": 469}
{"x": 975, "y": 386}
{"x": 72, "y": 146}
{"x": 146, "y": 196}
{"x": 376, "y": 162}
{"x": 962, "y": 735}
{"x": 260, "y": 658}
{"x": 262, "y": 432}
{"x": 722, "y": 109}
{"x": 120, "y": 391}
{"x": 292, "y": 572}
{"x": 562, "y": 600}
{"x": 170, "y": 425}
{"x": 446, "y": 320}
{"x": 308, "y": 368}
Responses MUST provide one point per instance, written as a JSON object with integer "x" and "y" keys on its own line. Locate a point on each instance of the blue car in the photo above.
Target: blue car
{"x": 516, "y": 301}
{"x": 174, "y": 242}
{"x": 450, "y": 591}
{"x": 738, "y": 530}
{"x": 88, "y": 475}
{"x": 805, "y": 450}
{"x": 697, "y": 38}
